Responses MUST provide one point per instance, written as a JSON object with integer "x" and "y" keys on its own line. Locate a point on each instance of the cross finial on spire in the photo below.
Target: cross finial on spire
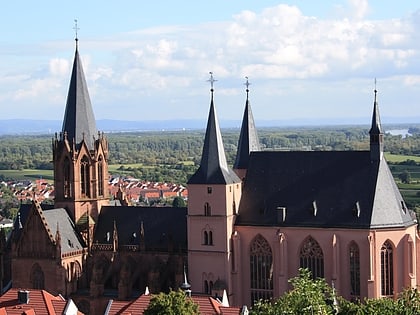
{"x": 76, "y": 28}
{"x": 247, "y": 84}
{"x": 375, "y": 90}
{"x": 211, "y": 80}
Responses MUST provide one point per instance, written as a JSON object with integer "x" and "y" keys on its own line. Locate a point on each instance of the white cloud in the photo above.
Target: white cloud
{"x": 59, "y": 67}
{"x": 280, "y": 44}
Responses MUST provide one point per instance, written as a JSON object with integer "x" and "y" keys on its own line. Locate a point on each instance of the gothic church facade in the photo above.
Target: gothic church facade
{"x": 247, "y": 229}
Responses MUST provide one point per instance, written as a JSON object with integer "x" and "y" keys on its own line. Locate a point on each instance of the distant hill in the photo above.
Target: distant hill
{"x": 28, "y": 126}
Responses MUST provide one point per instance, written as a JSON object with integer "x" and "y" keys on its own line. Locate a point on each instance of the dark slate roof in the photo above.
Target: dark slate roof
{"x": 345, "y": 189}
{"x": 69, "y": 236}
{"x": 70, "y": 240}
{"x": 248, "y": 139}
{"x": 160, "y": 224}
{"x": 79, "y": 121}
{"x": 376, "y": 120}
{"x": 22, "y": 216}
{"x": 213, "y": 167}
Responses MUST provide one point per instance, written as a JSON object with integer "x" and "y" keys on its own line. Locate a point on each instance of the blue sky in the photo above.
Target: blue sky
{"x": 146, "y": 60}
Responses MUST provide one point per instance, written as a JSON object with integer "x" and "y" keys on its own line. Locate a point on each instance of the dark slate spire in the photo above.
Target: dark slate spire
{"x": 375, "y": 132}
{"x": 79, "y": 121}
{"x": 213, "y": 167}
{"x": 248, "y": 138}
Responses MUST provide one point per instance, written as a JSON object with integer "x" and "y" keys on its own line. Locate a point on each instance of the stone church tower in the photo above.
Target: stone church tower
{"x": 214, "y": 195}
{"x": 80, "y": 153}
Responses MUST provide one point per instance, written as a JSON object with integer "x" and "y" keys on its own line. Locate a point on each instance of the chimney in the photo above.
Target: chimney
{"x": 23, "y": 296}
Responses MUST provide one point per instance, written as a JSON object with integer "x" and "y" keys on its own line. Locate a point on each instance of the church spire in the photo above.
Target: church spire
{"x": 375, "y": 132}
{"x": 79, "y": 121}
{"x": 213, "y": 167}
{"x": 248, "y": 138}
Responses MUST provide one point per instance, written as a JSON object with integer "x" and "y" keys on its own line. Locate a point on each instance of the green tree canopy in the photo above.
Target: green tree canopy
{"x": 173, "y": 303}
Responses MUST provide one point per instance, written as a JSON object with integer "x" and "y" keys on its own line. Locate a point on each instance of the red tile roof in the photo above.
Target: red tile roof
{"x": 206, "y": 305}
{"x": 40, "y": 302}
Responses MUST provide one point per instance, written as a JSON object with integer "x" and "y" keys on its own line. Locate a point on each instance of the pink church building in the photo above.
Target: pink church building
{"x": 337, "y": 213}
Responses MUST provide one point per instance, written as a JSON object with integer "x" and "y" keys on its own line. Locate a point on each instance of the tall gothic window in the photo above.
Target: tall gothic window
{"x": 207, "y": 209}
{"x": 37, "y": 277}
{"x": 261, "y": 266}
{"x": 354, "y": 269}
{"x": 100, "y": 177}
{"x": 387, "y": 266}
{"x": 312, "y": 258}
{"x": 67, "y": 181}
{"x": 85, "y": 177}
{"x": 207, "y": 236}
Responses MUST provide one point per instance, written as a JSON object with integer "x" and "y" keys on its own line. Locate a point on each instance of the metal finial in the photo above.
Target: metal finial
{"x": 211, "y": 80}
{"x": 76, "y": 28}
{"x": 375, "y": 86}
{"x": 247, "y": 84}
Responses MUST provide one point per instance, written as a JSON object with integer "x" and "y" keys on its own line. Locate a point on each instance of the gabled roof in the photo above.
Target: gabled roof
{"x": 59, "y": 218}
{"x": 161, "y": 225}
{"x": 248, "y": 139}
{"x": 54, "y": 218}
{"x": 213, "y": 167}
{"x": 321, "y": 189}
{"x": 207, "y": 305}
{"x": 79, "y": 120}
{"x": 40, "y": 302}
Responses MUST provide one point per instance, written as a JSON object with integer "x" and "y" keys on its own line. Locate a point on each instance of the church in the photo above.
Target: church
{"x": 247, "y": 228}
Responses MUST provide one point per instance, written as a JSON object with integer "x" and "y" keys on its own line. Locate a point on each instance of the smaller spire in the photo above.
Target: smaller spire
{"x": 375, "y": 132}
{"x": 185, "y": 286}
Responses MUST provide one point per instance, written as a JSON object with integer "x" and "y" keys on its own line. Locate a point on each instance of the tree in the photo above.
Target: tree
{"x": 307, "y": 296}
{"x": 405, "y": 177}
{"x": 173, "y": 303}
{"x": 178, "y": 202}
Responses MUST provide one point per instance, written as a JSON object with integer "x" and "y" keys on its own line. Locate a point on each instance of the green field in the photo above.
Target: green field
{"x": 395, "y": 158}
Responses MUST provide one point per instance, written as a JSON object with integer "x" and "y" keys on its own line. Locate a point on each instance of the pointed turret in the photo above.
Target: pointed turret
{"x": 213, "y": 167}
{"x": 79, "y": 121}
{"x": 80, "y": 153}
{"x": 248, "y": 138}
{"x": 375, "y": 132}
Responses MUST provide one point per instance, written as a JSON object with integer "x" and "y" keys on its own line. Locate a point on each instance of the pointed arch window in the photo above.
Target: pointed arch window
{"x": 100, "y": 176}
{"x": 37, "y": 277}
{"x": 67, "y": 181}
{"x": 387, "y": 269}
{"x": 207, "y": 209}
{"x": 312, "y": 258}
{"x": 354, "y": 269}
{"x": 85, "y": 177}
{"x": 207, "y": 236}
{"x": 261, "y": 267}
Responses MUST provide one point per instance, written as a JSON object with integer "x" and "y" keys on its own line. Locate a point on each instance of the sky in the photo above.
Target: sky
{"x": 311, "y": 61}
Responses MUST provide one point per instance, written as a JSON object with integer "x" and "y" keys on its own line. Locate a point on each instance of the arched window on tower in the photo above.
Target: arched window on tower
{"x": 261, "y": 267}
{"x": 207, "y": 236}
{"x": 387, "y": 269}
{"x": 85, "y": 177}
{"x": 100, "y": 176}
{"x": 67, "y": 181}
{"x": 312, "y": 258}
{"x": 37, "y": 277}
{"x": 207, "y": 209}
{"x": 354, "y": 269}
